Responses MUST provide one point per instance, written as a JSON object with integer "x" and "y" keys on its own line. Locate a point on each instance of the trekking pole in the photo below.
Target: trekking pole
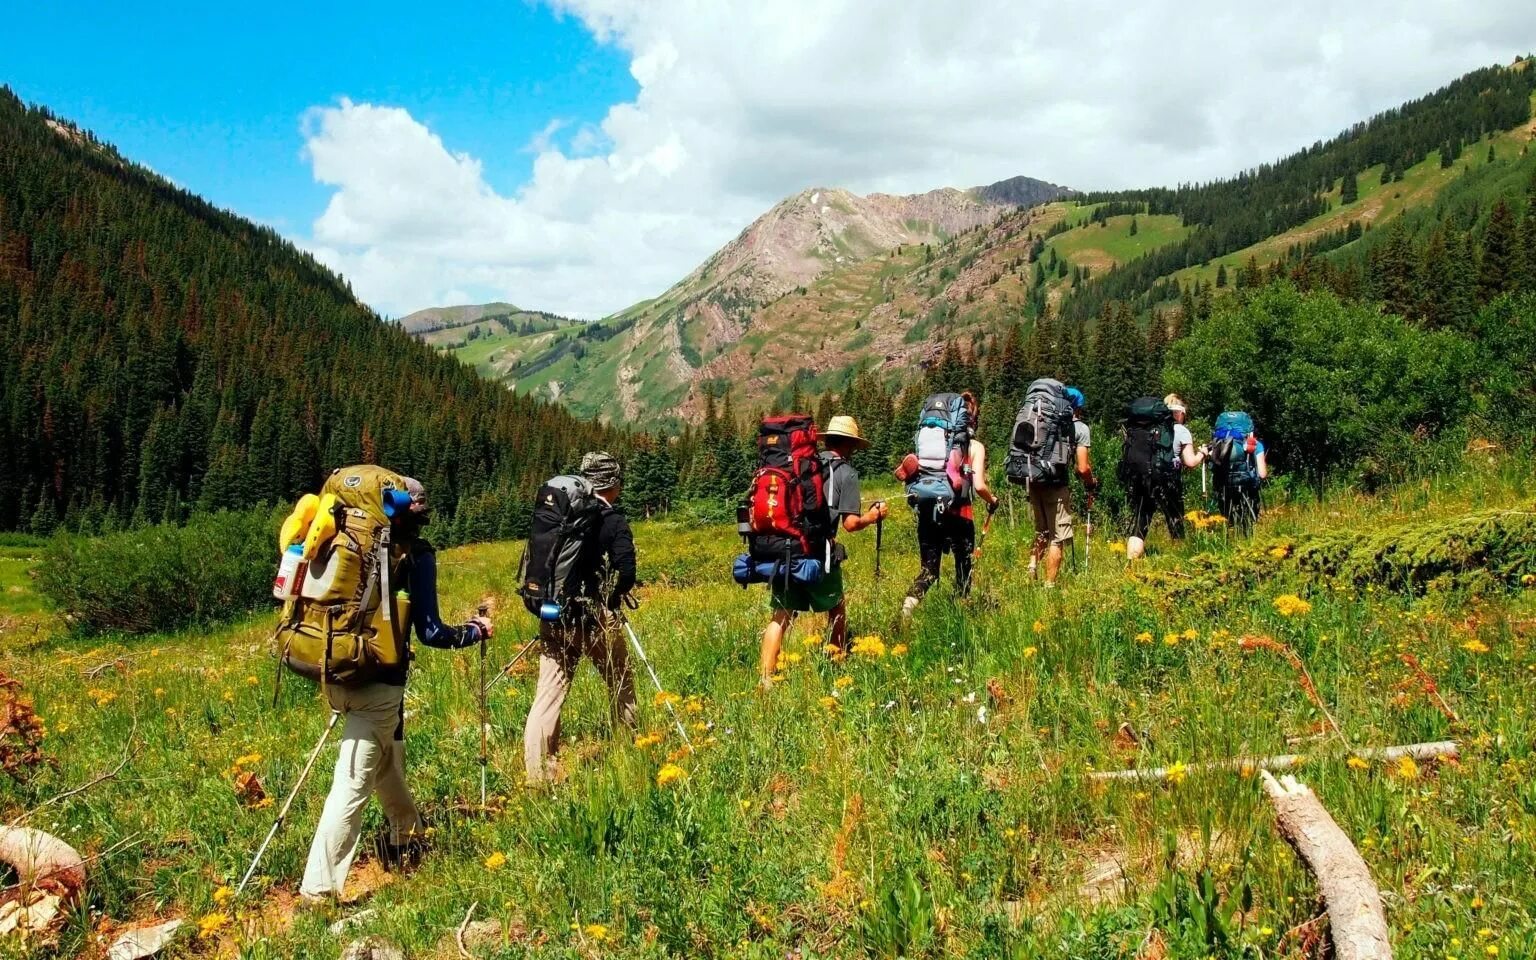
{"x": 506, "y": 671}
{"x": 483, "y": 611}
{"x": 655, "y": 680}
{"x": 986, "y": 526}
{"x": 282, "y": 814}
{"x": 879, "y": 536}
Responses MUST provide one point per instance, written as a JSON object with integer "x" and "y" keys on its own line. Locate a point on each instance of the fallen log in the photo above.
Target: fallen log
{"x": 1419, "y": 751}
{"x": 38, "y": 856}
{"x": 1357, "y": 925}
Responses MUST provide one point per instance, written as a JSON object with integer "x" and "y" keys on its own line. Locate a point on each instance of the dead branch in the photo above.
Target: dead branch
{"x": 103, "y": 778}
{"x": 458, "y": 937}
{"x": 1247, "y": 765}
{"x": 1355, "y": 918}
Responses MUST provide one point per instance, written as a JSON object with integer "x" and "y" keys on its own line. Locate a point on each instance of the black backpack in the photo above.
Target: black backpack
{"x": 1146, "y": 460}
{"x": 566, "y": 512}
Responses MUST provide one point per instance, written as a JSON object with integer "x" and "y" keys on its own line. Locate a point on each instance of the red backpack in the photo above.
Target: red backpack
{"x": 785, "y": 511}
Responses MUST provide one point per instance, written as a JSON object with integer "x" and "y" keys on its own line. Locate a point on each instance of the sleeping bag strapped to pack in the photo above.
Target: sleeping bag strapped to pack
{"x": 784, "y": 516}
{"x": 1232, "y": 465}
{"x": 345, "y": 624}
{"x": 1043, "y": 439}
{"x": 566, "y": 512}
{"x": 1147, "y": 460}
{"x": 942, "y": 442}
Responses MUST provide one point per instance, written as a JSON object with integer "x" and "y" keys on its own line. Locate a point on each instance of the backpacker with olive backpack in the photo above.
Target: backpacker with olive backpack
{"x": 1043, "y": 436}
{"x": 942, "y": 444}
{"x": 784, "y": 516}
{"x": 342, "y": 621}
{"x": 1146, "y": 462}
{"x": 566, "y": 512}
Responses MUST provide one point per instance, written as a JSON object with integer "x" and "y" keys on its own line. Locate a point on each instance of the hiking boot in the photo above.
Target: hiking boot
{"x": 399, "y": 857}
{"x": 907, "y": 606}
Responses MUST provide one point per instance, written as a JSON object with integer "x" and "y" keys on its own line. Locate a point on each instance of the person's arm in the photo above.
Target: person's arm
{"x": 1261, "y": 463}
{"x": 854, "y": 522}
{"x": 1193, "y": 457}
{"x": 979, "y": 473}
{"x": 618, "y": 543}
{"x": 429, "y": 625}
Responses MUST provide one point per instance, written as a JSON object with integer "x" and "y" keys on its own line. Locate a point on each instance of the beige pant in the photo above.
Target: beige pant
{"x": 372, "y": 759}
{"x": 1052, "y": 507}
{"x": 563, "y": 647}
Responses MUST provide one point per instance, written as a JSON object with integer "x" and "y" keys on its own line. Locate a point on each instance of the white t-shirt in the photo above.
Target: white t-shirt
{"x": 1181, "y": 438}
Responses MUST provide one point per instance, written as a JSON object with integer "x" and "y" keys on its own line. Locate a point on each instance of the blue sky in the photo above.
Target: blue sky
{"x": 213, "y": 97}
{"x": 397, "y": 142}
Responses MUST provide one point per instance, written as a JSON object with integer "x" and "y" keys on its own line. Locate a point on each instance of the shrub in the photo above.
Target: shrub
{"x": 158, "y": 578}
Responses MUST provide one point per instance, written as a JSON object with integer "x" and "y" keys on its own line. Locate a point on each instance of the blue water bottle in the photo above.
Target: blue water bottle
{"x": 549, "y": 610}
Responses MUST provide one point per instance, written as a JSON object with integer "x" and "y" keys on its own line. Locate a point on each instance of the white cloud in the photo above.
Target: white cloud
{"x": 741, "y": 103}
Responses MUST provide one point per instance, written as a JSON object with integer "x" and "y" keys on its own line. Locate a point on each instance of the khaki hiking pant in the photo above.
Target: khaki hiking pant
{"x": 563, "y": 647}
{"x": 371, "y": 760}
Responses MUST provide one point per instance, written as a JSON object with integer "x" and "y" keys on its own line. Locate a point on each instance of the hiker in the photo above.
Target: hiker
{"x": 372, "y": 755}
{"x": 945, "y": 476}
{"x": 839, "y": 482}
{"x": 1158, "y": 447}
{"x": 1239, "y": 466}
{"x": 598, "y": 573}
{"x": 1050, "y": 442}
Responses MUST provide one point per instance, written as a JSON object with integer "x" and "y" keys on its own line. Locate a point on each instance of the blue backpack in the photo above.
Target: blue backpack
{"x": 942, "y": 442}
{"x": 1232, "y": 465}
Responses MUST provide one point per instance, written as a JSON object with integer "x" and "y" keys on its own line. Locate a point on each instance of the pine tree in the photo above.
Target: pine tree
{"x": 1221, "y": 275}
{"x": 1497, "y": 269}
{"x": 1349, "y": 189}
{"x": 1134, "y": 229}
{"x": 1526, "y": 258}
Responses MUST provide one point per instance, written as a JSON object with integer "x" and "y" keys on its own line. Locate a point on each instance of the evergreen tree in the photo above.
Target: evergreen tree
{"x": 1221, "y": 275}
{"x": 1497, "y": 269}
{"x": 1134, "y": 229}
{"x": 1349, "y": 189}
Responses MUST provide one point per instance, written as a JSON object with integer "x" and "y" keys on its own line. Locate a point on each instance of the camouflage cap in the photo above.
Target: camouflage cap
{"x": 602, "y": 469}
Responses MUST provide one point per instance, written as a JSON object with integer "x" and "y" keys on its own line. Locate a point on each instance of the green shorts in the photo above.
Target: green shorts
{"x": 817, "y": 598}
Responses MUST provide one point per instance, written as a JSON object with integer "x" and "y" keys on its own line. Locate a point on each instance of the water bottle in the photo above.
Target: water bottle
{"x": 549, "y": 610}
{"x": 290, "y": 573}
{"x": 744, "y": 519}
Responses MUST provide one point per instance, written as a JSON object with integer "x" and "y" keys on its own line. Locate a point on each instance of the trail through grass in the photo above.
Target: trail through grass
{"x": 924, "y": 797}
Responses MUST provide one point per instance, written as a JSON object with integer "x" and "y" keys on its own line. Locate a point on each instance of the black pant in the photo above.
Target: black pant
{"x": 948, "y": 532}
{"x": 1146, "y": 500}
{"x": 1240, "y": 504}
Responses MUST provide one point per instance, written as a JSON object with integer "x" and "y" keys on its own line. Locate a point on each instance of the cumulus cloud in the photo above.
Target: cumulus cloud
{"x": 742, "y": 103}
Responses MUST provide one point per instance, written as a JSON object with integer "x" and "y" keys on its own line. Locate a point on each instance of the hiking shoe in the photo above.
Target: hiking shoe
{"x": 907, "y": 606}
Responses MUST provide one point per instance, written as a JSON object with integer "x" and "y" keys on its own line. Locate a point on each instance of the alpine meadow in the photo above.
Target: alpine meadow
{"x": 641, "y": 630}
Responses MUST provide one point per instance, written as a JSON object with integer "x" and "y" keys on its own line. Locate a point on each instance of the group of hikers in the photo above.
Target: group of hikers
{"x": 358, "y": 576}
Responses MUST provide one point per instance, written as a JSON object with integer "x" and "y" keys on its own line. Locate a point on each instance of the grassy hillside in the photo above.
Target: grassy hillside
{"x": 926, "y": 797}
{"x": 894, "y": 311}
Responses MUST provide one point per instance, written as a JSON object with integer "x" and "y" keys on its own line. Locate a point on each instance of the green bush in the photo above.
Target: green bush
{"x": 158, "y": 578}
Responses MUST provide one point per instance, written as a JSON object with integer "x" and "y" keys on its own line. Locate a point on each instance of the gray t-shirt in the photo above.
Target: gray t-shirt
{"x": 1181, "y": 438}
{"x": 1080, "y": 435}
{"x": 843, "y": 497}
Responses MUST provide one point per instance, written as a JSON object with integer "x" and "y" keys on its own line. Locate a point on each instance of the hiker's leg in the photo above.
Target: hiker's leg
{"x": 1060, "y": 512}
{"x": 341, "y": 820}
{"x": 394, "y": 794}
{"x": 773, "y": 641}
{"x": 837, "y": 621}
{"x": 962, "y": 540}
{"x": 930, "y": 552}
{"x": 1053, "y": 555}
{"x": 1044, "y": 521}
{"x": 541, "y": 737}
{"x": 1141, "y": 518}
{"x": 609, "y": 652}
{"x": 1173, "y": 507}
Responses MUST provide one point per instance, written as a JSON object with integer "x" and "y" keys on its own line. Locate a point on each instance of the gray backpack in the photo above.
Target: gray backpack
{"x": 565, "y": 514}
{"x": 1043, "y": 438}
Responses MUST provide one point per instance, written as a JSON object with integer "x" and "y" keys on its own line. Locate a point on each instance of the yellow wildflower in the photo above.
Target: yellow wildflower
{"x": 1144, "y": 636}
{"x": 1171, "y": 639}
{"x": 1356, "y": 763}
{"x": 211, "y": 924}
{"x": 496, "y": 861}
{"x": 647, "y": 740}
{"x": 229, "y": 696}
{"x": 791, "y": 658}
{"x": 1177, "y": 773}
{"x": 596, "y": 932}
{"x": 1281, "y": 551}
{"x": 1039, "y": 627}
{"x": 1029, "y": 652}
{"x": 899, "y": 650}
{"x": 223, "y": 895}
{"x": 810, "y": 641}
{"x": 1191, "y": 634}
{"x": 828, "y": 703}
{"x": 694, "y": 704}
{"x": 1475, "y": 646}
{"x": 869, "y": 646}
{"x": 843, "y": 683}
{"x": 159, "y": 692}
{"x": 251, "y": 680}
{"x": 679, "y": 753}
{"x": 670, "y": 773}
{"x": 663, "y": 698}
{"x": 1407, "y": 769}
{"x": 745, "y": 804}
{"x": 1528, "y": 580}
{"x": 1290, "y": 605}
{"x": 1117, "y": 546}
{"x": 248, "y": 760}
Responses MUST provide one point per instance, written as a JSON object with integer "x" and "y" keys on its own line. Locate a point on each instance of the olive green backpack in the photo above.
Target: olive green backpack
{"x": 348, "y": 625}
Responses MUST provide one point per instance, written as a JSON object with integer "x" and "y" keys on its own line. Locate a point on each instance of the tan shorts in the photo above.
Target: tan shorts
{"x": 1053, "y": 512}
